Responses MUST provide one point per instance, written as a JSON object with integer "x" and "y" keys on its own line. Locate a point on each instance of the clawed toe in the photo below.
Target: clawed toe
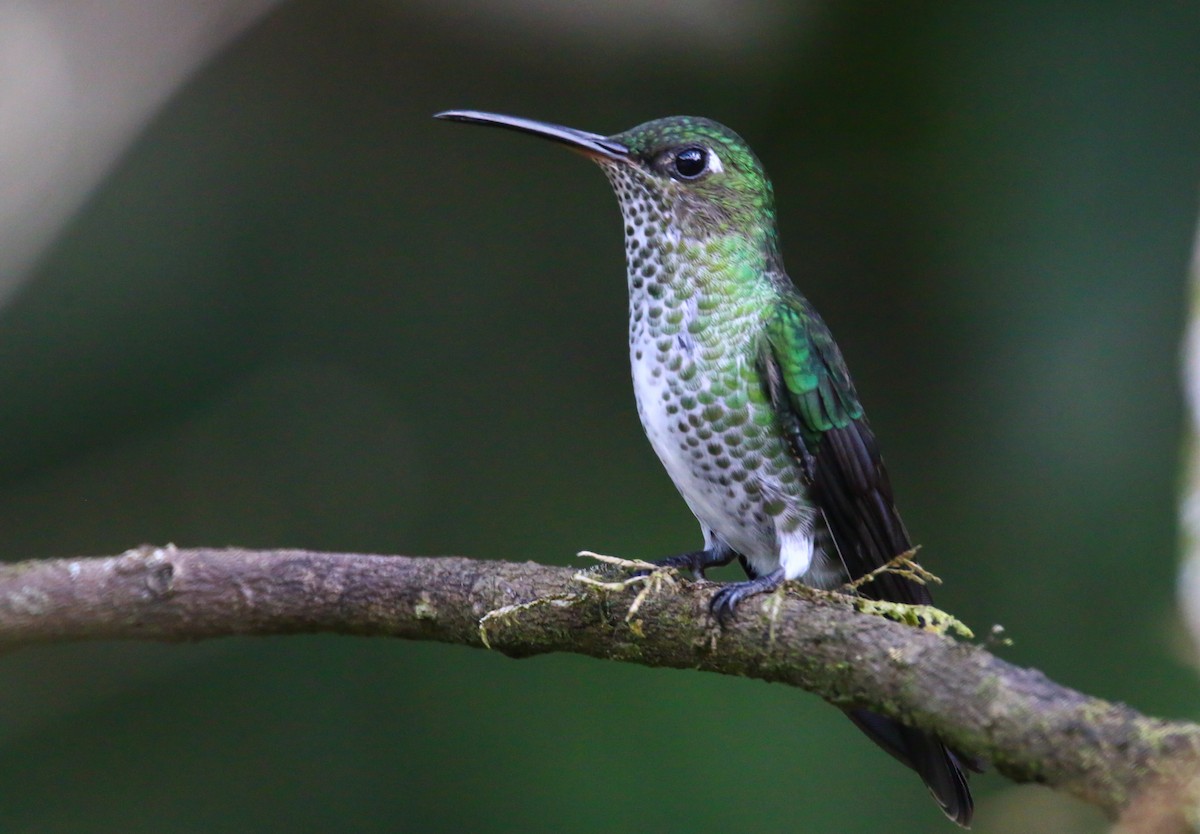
{"x": 724, "y": 603}
{"x": 726, "y": 600}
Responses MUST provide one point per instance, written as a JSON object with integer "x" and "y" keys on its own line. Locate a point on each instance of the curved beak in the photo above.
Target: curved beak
{"x": 591, "y": 144}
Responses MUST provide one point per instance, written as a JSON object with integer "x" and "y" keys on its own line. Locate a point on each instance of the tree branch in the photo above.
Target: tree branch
{"x": 1030, "y": 728}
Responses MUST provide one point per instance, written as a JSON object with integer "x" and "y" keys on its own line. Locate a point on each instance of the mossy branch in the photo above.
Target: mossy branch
{"x": 1029, "y": 728}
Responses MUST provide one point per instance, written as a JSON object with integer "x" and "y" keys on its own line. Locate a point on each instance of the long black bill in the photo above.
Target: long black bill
{"x": 592, "y": 144}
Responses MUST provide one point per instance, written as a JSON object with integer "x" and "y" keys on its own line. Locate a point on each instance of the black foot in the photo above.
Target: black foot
{"x": 698, "y": 560}
{"x": 724, "y": 604}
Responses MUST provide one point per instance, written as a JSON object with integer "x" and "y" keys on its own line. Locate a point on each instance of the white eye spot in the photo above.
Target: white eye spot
{"x": 714, "y": 163}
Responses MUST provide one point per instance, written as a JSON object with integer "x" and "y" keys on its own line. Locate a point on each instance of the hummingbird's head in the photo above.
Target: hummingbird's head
{"x": 704, "y": 174}
{"x": 692, "y": 176}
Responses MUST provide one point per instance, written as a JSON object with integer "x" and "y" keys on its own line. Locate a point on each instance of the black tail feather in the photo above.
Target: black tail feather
{"x": 939, "y": 767}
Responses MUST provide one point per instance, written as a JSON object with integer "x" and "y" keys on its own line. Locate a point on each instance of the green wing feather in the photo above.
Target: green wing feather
{"x": 818, "y": 388}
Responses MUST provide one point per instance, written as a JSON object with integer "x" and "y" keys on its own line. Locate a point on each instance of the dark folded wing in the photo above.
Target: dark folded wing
{"x": 819, "y": 410}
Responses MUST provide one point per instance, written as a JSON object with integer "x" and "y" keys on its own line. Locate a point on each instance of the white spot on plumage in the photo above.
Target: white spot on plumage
{"x": 795, "y": 552}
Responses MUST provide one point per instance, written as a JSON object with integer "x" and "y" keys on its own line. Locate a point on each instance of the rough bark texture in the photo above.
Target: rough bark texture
{"x": 1028, "y": 727}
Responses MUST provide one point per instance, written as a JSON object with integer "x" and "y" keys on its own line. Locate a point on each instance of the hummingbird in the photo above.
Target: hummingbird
{"x": 743, "y": 393}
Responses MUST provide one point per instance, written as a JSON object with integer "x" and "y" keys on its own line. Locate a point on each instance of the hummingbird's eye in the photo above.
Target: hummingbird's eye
{"x": 691, "y": 162}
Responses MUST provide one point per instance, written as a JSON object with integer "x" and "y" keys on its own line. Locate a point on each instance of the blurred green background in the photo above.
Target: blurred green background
{"x": 299, "y": 312}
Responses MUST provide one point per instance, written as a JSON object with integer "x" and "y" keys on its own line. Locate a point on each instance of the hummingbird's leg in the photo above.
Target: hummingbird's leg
{"x": 699, "y": 560}
{"x": 724, "y": 604}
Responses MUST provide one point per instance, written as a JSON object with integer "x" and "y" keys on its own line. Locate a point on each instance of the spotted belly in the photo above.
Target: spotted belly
{"x": 717, "y": 435}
